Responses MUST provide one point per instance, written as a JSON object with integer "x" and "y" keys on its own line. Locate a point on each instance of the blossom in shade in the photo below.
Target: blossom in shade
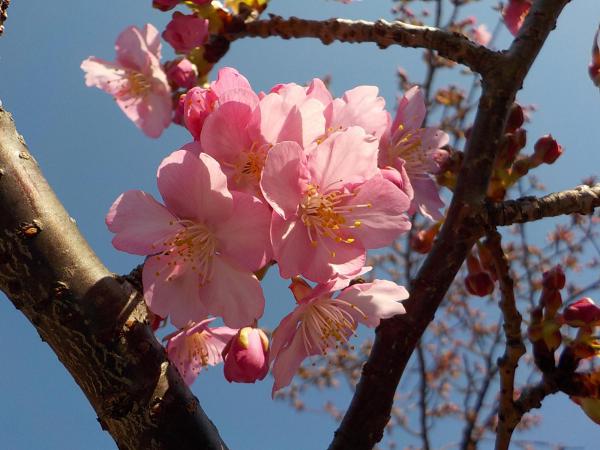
{"x": 182, "y": 73}
{"x": 329, "y": 207}
{"x": 320, "y": 321}
{"x": 199, "y": 102}
{"x": 582, "y": 313}
{"x": 185, "y": 32}
{"x": 197, "y": 346}
{"x": 204, "y": 245}
{"x": 514, "y": 14}
{"x": 417, "y": 151}
{"x": 247, "y": 356}
{"x": 136, "y": 79}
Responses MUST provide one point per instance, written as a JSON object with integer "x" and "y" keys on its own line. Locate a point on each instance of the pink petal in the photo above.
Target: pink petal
{"x": 362, "y": 107}
{"x": 287, "y": 363}
{"x": 330, "y": 165}
{"x": 411, "y": 110}
{"x": 233, "y": 294}
{"x": 224, "y": 134}
{"x": 285, "y": 331}
{"x": 514, "y": 14}
{"x": 385, "y": 219}
{"x": 194, "y": 187}
{"x": 284, "y": 177}
{"x": 104, "y": 75}
{"x": 154, "y": 113}
{"x": 317, "y": 90}
{"x": 427, "y": 199}
{"x": 290, "y": 244}
{"x": 132, "y": 51}
{"x": 140, "y": 223}
{"x": 244, "y": 237}
{"x": 172, "y": 290}
{"x": 377, "y": 300}
{"x": 229, "y": 78}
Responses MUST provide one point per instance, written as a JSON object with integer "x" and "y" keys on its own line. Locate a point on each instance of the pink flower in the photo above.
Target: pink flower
{"x": 199, "y": 102}
{"x": 186, "y": 32}
{"x": 197, "y": 346}
{"x": 204, "y": 244}
{"x": 247, "y": 356}
{"x": 182, "y": 73}
{"x": 321, "y": 322}
{"x": 136, "y": 80}
{"x": 514, "y": 14}
{"x": 408, "y": 147}
{"x": 329, "y": 207}
{"x": 481, "y": 35}
{"x": 582, "y": 313}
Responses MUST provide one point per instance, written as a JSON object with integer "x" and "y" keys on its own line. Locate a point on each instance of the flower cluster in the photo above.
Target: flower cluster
{"x": 293, "y": 176}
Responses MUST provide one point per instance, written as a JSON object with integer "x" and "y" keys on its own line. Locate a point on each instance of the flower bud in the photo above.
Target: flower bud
{"x": 515, "y": 118}
{"x": 582, "y": 313}
{"x": 181, "y": 73}
{"x": 422, "y": 241}
{"x": 547, "y": 150}
{"x": 198, "y": 104}
{"x": 514, "y": 14}
{"x": 554, "y": 278}
{"x": 186, "y": 32}
{"x": 551, "y": 300}
{"x": 479, "y": 284}
{"x": 247, "y": 356}
{"x": 164, "y": 5}
{"x": 178, "y": 108}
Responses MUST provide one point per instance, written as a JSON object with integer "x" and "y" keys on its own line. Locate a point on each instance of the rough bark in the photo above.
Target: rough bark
{"x": 94, "y": 321}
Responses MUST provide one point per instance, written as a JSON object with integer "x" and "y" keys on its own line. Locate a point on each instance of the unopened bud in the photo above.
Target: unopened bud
{"x": 582, "y": 313}
{"x": 479, "y": 284}
{"x": 551, "y": 300}
{"x": 515, "y": 118}
{"x": 554, "y": 278}
{"x": 181, "y": 73}
{"x": 422, "y": 241}
{"x": 547, "y": 150}
{"x": 247, "y": 356}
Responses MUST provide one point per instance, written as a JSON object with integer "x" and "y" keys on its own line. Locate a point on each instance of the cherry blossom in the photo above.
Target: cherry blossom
{"x": 320, "y": 322}
{"x": 329, "y": 208}
{"x": 203, "y": 245}
{"x": 197, "y": 346}
{"x": 417, "y": 151}
{"x": 136, "y": 80}
{"x": 185, "y": 32}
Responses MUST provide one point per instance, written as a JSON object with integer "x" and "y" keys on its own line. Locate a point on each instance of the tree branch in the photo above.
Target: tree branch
{"x": 450, "y": 45}
{"x": 581, "y": 200}
{"x": 369, "y": 411}
{"x": 4, "y": 4}
{"x": 93, "y": 321}
{"x": 508, "y": 415}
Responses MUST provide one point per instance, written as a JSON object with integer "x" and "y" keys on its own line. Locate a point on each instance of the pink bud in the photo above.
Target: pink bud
{"x": 582, "y": 313}
{"x": 198, "y": 104}
{"x": 514, "y": 14}
{"x": 247, "y": 356}
{"x": 554, "y": 278}
{"x": 516, "y": 117}
{"x": 552, "y": 301}
{"x": 181, "y": 73}
{"x": 479, "y": 284}
{"x": 164, "y": 5}
{"x": 178, "y": 110}
{"x": 186, "y": 32}
{"x": 547, "y": 149}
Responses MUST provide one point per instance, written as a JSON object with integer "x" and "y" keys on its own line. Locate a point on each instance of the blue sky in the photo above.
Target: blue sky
{"x": 90, "y": 154}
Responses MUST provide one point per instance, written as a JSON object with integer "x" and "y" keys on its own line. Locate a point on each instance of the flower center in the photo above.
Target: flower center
{"x": 326, "y": 215}
{"x": 193, "y": 246}
{"x": 198, "y": 348}
{"x": 138, "y": 84}
{"x": 409, "y": 147}
{"x": 250, "y": 165}
{"x": 327, "y": 323}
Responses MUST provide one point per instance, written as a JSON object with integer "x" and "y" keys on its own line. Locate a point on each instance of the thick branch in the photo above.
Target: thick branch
{"x": 369, "y": 411}
{"x": 94, "y": 321}
{"x": 508, "y": 415}
{"x": 450, "y": 45}
{"x": 581, "y": 200}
